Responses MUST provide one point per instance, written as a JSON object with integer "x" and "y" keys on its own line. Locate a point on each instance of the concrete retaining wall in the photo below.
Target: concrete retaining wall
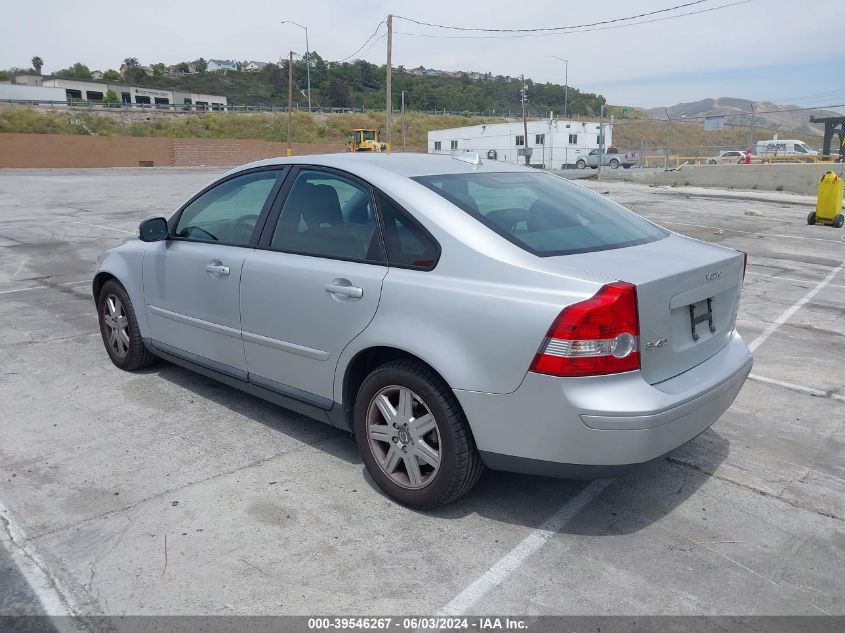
{"x": 796, "y": 178}
{"x": 60, "y": 150}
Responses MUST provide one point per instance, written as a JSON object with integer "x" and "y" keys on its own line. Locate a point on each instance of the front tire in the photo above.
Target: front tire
{"x": 581, "y": 164}
{"x": 413, "y": 436}
{"x": 614, "y": 164}
{"x": 811, "y": 219}
{"x": 838, "y": 221}
{"x": 119, "y": 328}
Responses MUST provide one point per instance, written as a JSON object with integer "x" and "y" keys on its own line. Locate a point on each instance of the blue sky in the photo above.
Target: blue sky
{"x": 756, "y": 49}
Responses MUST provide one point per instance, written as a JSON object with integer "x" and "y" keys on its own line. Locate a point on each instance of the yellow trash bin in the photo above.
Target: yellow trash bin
{"x": 829, "y": 201}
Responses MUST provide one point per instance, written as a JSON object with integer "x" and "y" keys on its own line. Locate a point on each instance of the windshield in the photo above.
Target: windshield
{"x": 544, "y": 214}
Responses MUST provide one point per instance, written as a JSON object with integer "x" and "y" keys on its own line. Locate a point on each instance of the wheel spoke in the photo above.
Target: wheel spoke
{"x": 110, "y": 305}
{"x": 405, "y": 410}
{"x": 423, "y": 424}
{"x": 427, "y": 453}
{"x": 412, "y": 467}
{"x": 387, "y": 410}
{"x": 391, "y": 460}
{"x": 381, "y": 433}
{"x": 124, "y": 338}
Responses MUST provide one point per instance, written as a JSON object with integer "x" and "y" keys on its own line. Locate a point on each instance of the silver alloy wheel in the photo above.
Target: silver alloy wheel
{"x": 117, "y": 325}
{"x": 403, "y": 437}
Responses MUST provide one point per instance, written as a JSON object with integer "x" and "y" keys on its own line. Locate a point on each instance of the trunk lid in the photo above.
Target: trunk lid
{"x": 687, "y": 297}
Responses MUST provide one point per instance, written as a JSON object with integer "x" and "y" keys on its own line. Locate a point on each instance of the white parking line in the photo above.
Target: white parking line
{"x": 514, "y": 559}
{"x": 803, "y": 281}
{"x": 809, "y": 391}
{"x": 787, "y": 314}
{"x": 31, "y": 567}
{"x": 722, "y": 228}
{"x": 66, "y": 283}
{"x": 100, "y": 226}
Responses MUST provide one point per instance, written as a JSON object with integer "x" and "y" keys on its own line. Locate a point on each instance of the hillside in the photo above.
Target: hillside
{"x": 361, "y": 84}
{"x": 685, "y": 137}
{"x": 774, "y": 116}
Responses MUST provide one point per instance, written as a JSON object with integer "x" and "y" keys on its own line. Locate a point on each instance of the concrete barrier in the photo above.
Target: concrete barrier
{"x": 795, "y": 178}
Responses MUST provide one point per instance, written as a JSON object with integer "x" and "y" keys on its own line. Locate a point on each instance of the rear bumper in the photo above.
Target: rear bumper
{"x": 596, "y": 426}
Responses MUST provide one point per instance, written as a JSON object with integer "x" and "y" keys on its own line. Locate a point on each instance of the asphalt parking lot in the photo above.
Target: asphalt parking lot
{"x": 163, "y": 492}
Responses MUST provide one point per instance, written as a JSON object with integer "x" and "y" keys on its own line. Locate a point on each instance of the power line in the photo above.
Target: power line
{"x": 568, "y": 32}
{"x": 551, "y": 28}
{"x": 340, "y": 61}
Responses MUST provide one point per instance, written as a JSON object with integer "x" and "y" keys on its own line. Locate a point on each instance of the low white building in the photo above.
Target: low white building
{"x": 217, "y": 65}
{"x": 552, "y": 143}
{"x": 95, "y": 91}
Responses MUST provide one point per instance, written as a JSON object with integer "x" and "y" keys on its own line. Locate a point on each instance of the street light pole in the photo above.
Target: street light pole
{"x": 566, "y": 84}
{"x": 307, "y": 57}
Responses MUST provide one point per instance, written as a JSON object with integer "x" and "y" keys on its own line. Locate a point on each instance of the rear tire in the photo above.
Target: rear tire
{"x": 811, "y": 219}
{"x": 614, "y": 164}
{"x": 838, "y": 221}
{"x": 119, "y": 328}
{"x": 581, "y": 164}
{"x": 421, "y": 466}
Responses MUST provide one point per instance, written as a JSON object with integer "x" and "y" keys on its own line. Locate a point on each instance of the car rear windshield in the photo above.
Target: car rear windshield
{"x": 542, "y": 213}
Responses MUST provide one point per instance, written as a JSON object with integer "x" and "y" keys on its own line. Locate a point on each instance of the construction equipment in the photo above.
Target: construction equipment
{"x": 365, "y": 141}
{"x": 829, "y": 202}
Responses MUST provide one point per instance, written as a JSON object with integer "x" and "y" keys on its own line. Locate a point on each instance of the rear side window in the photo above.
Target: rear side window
{"x": 408, "y": 244}
{"x": 544, "y": 214}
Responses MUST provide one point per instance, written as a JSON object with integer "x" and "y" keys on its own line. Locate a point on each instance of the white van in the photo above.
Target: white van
{"x": 784, "y": 147}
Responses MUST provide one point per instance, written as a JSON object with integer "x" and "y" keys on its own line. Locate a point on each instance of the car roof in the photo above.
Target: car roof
{"x": 404, "y": 163}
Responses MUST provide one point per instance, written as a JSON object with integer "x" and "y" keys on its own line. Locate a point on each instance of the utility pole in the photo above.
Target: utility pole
{"x": 751, "y": 143}
{"x": 668, "y": 137}
{"x": 566, "y": 83}
{"x": 403, "y": 119}
{"x": 601, "y": 141}
{"x": 525, "y": 123}
{"x": 290, "y": 98}
{"x": 389, "y": 82}
{"x": 307, "y": 56}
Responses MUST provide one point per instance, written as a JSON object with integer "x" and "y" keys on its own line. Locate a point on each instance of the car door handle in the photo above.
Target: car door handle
{"x": 353, "y": 292}
{"x": 217, "y": 269}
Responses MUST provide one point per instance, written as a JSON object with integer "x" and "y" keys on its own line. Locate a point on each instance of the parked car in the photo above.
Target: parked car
{"x": 611, "y": 157}
{"x": 730, "y": 157}
{"x": 451, "y": 314}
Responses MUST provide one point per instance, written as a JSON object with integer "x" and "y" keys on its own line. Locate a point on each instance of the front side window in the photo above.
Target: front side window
{"x": 328, "y": 215}
{"x": 408, "y": 244}
{"x": 369, "y": 135}
{"x": 544, "y": 214}
{"x": 228, "y": 212}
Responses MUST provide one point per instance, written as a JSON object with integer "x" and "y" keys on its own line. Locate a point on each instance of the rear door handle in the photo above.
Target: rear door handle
{"x": 352, "y": 292}
{"x": 217, "y": 269}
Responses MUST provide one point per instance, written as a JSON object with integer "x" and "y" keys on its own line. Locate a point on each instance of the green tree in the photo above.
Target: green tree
{"x": 111, "y": 75}
{"x": 200, "y": 65}
{"x": 132, "y": 70}
{"x": 158, "y": 70}
{"x": 37, "y": 64}
{"x": 77, "y": 71}
{"x": 183, "y": 67}
{"x": 111, "y": 97}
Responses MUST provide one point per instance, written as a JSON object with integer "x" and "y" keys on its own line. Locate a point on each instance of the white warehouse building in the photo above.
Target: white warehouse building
{"x": 552, "y": 143}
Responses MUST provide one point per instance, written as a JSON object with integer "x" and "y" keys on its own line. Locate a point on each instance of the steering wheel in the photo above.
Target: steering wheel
{"x": 191, "y": 229}
{"x": 245, "y": 224}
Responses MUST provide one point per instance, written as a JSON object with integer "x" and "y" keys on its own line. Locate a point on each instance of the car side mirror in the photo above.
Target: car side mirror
{"x": 153, "y": 230}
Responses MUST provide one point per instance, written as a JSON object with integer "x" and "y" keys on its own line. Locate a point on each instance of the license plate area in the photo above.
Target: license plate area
{"x": 701, "y": 318}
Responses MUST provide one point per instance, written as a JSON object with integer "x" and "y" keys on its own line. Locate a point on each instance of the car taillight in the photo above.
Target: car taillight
{"x": 597, "y": 336}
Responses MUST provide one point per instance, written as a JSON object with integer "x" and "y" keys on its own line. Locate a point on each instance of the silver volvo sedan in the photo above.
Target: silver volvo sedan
{"x": 451, "y": 314}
